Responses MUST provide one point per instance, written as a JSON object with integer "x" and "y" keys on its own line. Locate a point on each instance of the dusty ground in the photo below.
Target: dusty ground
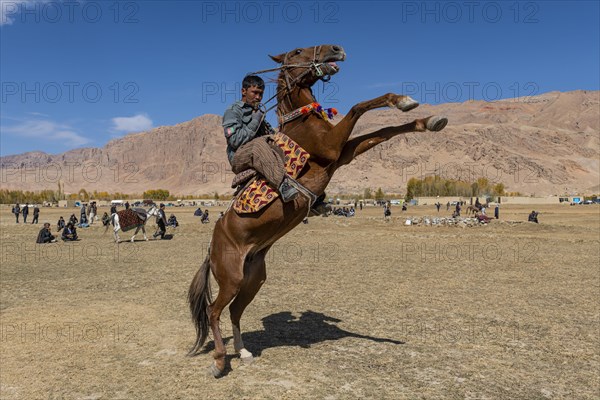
{"x": 352, "y": 308}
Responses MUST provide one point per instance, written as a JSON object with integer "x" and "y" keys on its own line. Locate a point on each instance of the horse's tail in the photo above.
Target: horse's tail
{"x": 200, "y": 297}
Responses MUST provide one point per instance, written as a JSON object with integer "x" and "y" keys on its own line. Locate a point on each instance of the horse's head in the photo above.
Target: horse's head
{"x": 305, "y": 66}
{"x": 153, "y": 211}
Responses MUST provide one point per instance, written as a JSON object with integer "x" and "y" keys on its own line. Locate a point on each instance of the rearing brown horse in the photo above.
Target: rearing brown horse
{"x": 240, "y": 242}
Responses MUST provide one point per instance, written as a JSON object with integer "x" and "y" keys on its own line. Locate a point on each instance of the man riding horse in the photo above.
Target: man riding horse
{"x": 239, "y": 244}
{"x": 248, "y": 137}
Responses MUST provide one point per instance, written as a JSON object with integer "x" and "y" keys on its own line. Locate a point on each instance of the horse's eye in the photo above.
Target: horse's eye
{"x": 298, "y": 51}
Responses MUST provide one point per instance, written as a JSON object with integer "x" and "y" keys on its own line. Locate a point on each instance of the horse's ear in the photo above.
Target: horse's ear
{"x": 278, "y": 59}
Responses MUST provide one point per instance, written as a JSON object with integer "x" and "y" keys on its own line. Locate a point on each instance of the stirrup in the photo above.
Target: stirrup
{"x": 287, "y": 191}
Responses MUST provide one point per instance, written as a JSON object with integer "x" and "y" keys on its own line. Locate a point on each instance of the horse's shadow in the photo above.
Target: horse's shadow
{"x": 283, "y": 329}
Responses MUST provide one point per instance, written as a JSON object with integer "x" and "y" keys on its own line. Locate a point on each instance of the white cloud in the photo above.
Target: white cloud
{"x": 137, "y": 123}
{"x": 47, "y": 130}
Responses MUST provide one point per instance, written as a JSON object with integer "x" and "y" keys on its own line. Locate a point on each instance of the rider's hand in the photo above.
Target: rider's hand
{"x": 258, "y": 114}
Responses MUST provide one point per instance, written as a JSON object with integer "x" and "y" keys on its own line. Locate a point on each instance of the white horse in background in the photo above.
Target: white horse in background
{"x": 143, "y": 217}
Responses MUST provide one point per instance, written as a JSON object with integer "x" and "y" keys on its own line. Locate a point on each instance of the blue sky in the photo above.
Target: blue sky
{"x": 80, "y": 73}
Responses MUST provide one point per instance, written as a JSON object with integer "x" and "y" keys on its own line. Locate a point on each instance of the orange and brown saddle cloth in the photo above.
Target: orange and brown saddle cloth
{"x": 259, "y": 192}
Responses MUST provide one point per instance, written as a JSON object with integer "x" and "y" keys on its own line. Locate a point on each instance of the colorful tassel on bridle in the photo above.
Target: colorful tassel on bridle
{"x": 325, "y": 113}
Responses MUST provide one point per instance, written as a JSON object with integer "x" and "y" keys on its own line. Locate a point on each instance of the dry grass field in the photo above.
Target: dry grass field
{"x": 352, "y": 308}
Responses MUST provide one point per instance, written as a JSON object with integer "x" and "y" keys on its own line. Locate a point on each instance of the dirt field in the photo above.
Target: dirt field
{"x": 352, "y": 309}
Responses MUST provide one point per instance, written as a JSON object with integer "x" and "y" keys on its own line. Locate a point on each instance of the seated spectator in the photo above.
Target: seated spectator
{"x": 83, "y": 221}
{"x": 198, "y": 212}
{"x": 45, "y": 236}
{"x": 105, "y": 219}
{"x": 73, "y": 219}
{"x": 69, "y": 233}
{"x": 533, "y": 217}
{"x": 60, "y": 224}
{"x": 173, "y": 221}
{"x": 204, "y": 218}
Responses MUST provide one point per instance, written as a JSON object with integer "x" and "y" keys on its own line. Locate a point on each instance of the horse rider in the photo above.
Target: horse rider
{"x": 248, "y": 135}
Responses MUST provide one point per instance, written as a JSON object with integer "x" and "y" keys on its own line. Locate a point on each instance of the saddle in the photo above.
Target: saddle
{"x": 257, "y": 192}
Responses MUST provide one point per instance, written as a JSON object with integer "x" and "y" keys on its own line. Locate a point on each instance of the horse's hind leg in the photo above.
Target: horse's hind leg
{"x": 135, "y": 233}
{"x": 144, "y": 232}
{"x": 228, "y": 270}
{"x": 255, "y": 274}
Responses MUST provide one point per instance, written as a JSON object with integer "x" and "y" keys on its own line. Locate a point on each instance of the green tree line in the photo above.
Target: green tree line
{"x": 438, "y": 186}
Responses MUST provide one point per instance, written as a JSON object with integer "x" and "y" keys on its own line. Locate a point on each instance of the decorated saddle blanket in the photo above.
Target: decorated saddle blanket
{"x": 129, "y": 219}
{"x": 259, "y": 193}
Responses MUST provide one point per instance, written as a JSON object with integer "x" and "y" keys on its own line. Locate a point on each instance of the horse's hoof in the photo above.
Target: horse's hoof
{"x": 407, "y": 104}
{"x": 246, "y": 360}
{"x": 214, "y": 371}
{"x": 436, "y": 124}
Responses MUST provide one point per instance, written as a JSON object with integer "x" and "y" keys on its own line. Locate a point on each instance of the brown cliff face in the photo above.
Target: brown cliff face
{"x": 547, "y": 144}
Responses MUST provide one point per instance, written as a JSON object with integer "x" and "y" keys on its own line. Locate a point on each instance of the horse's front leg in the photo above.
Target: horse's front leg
{"x": 360, "y": 144}
{"x": 255, "y": 275}
{"x": 144, "y": 232}
{"x": 341, "y": 132}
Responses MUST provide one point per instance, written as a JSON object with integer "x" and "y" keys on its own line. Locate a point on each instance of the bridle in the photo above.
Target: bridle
{"x": 290, "y": 84}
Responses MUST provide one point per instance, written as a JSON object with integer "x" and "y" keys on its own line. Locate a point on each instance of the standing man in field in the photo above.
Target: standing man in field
{"x": 161, "y": 221}
{"x": 83, "y": 213}
{"x": 36, "y": 214}
{"x": 25, "y": 212}
{"x": 16, "y": 210}
{"x": 92, "y": 211}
